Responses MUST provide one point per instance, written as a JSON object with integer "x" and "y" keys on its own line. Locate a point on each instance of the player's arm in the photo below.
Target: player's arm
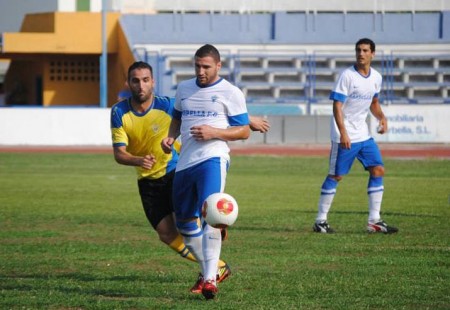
{"x": 232, "y": 133}
{"x": 339, "y": 118}
{"x": 376, "y": 110}
{"x": 174, "y": 132}
{"x": 125, "y": 158}
{"x": 259, "y": 124}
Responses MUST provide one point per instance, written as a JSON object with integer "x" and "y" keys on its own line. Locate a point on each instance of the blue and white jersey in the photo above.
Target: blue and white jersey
{"x": 356, "y": 92}
{"x": 219, "y": 105}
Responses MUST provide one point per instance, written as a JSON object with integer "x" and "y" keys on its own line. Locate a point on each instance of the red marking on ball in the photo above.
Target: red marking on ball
{"x": 225, "y": 206}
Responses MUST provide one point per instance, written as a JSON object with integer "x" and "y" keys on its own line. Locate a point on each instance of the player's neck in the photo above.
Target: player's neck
{"x": 363, "y": 69}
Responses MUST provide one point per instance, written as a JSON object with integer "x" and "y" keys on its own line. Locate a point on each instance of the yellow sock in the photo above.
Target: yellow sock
{"x": 178, "y": 246}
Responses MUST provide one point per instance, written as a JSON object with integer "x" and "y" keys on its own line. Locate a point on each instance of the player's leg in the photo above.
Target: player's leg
{"x": 211, "y": 179}
{"x": 340, "y": 162}
{"x": 188, "y": 218}
{"x": 370, "y": 157}
{"x": 327, "y": 193}
{"x": 157, "y": 204}
{"x": 375, "y": 191}
{"x": 176, "y": 242}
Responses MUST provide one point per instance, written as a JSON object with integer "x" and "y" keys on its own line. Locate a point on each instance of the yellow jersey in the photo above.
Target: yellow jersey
{"x": 142, "y": 133}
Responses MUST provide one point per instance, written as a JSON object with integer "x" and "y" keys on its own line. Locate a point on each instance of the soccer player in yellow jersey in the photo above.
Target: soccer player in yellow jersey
{"x": 138, "y": 124}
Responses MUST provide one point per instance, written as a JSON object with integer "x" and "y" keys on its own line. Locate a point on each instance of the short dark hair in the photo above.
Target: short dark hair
{"x": 366, "y": 41}
{"x": 208, "y": 50}
{"x": 139, "y": 65}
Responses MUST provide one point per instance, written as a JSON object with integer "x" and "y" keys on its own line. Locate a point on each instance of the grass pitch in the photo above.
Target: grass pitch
{"x": 73, "y": 236}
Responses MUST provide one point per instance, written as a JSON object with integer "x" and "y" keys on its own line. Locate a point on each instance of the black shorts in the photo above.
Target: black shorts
{"x": 156, "y": 197}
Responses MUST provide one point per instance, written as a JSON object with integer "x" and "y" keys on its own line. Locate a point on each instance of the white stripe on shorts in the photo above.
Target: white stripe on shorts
{"x": 333, "y": 157}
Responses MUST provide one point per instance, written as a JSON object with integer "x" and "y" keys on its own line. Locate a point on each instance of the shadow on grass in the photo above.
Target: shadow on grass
{"x": 365, "y": 212}
{"x": 123, "y": 287}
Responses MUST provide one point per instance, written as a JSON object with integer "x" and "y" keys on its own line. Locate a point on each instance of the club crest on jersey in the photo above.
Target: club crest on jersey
{"x": 155, "y": 127}
{"x": 214, "y": 98}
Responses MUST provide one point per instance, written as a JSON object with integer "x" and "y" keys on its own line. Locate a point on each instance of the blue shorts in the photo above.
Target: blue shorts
{"x": 193, "y": 185}
{"x": 341, "y": 160}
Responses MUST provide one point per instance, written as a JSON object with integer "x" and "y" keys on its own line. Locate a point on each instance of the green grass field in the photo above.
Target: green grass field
{"x": 73, "y": 236}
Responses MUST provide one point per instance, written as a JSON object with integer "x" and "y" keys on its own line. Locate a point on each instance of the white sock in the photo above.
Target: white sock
{"x": 375, "y": 199}
{"x": 375, "y": 191}
{"x": 324, "y": 207}
{"x": 327, "y": 193}
{"x": 212, "y": 243}
{"x": 195, "y": 245}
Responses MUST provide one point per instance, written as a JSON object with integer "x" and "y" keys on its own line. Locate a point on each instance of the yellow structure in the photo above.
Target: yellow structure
{"x": 55, "y": 59}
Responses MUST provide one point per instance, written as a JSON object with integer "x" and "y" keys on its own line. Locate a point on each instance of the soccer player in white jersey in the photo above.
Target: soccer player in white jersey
{"x": 354, "y": 95}
{"x": 209, "y": 111}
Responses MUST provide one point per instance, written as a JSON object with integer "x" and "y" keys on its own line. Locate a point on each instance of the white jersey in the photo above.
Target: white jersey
{"x": 219, "y": 105}
{"x": 356, "y": 92}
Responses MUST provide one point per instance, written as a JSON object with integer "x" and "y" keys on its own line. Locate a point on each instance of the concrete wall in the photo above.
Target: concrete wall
{"x": 91, "y": 126}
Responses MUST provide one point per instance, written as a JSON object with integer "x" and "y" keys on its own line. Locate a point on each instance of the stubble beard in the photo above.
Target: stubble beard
{"x": 141, "y": 99}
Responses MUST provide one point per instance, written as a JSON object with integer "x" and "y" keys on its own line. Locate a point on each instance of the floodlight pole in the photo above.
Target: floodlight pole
{"x": 104, "y": 61}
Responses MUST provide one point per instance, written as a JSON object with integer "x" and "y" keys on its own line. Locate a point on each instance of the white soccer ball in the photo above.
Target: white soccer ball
{"x": 220, "y": 210}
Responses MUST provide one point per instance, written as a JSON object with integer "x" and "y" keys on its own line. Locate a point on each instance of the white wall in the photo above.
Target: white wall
{"x": 55, "y": 126}
{"x": 416, "y": 124}
{"x": 91, "y": 126}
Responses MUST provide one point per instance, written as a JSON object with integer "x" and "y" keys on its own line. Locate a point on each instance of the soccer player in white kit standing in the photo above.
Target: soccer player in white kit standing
{"x": 355, "y": 93}
{"x": 209, "y": 111}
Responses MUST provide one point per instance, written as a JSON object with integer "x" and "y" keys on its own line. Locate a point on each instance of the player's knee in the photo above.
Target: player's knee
{"x": 377, "y": 171}
{"x": 166, "y": 229}
{"x": 337, "y": 178}
{"x": 167, "y": 237}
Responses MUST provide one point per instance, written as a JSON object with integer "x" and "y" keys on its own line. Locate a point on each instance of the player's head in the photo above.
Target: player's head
{"x": 367, "y": 42}
{"x": 140, "y": 81}
{"x": 207, "y": 65}
{"x": 365, "y": 51}
{"x": 139, "y": 65}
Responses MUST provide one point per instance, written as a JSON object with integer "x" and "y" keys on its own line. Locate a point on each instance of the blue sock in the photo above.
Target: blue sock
{"x": 329, "y": 186}
{"x": 375, "y": 184}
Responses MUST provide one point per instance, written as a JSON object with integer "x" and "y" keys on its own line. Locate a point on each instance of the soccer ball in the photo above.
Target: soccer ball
{"x": 220, "y": 210}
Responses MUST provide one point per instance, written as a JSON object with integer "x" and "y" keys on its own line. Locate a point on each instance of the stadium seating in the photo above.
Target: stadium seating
{"x": 286, "y": 77}
{"x": 272, "y": 63}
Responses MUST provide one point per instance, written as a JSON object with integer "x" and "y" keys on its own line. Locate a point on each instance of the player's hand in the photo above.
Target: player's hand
{"x": 382, "y": 126}
{"x": 148, "y": 161}
{"x": 345, "y": 142}
{"x": 259, "y": 124}
{"x": 203, "y": 132}
{"x": 166, "y": 144}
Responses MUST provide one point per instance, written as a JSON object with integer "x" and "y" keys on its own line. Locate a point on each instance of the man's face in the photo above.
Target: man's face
{"x": 363, "y": 54}
{"x": 141, "y": 85}
{"x": 206, "y": 70}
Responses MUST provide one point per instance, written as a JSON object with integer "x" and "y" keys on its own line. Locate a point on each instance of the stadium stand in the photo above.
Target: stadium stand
{"x": 277, "y": 78}
{"x": 275, "y": 51}
{"x": 291, "y": 57}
